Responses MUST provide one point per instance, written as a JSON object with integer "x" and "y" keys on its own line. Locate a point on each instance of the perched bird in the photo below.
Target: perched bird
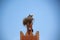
{"x": 28, "y": 21}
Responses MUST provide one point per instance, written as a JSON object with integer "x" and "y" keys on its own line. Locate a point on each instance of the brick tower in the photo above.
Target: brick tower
{"x": 29, "y": 34}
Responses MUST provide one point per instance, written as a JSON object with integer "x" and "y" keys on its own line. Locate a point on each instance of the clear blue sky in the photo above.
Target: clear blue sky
{"x": 46, "y": 18}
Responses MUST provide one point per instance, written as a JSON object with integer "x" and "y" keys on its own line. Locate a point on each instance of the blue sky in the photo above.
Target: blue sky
{"x": 46, "y": 18}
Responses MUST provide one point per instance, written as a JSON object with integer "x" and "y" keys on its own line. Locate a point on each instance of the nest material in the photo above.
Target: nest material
{"x": 27, "y": 20}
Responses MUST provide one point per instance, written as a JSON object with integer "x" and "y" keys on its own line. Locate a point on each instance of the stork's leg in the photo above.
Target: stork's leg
{"x": 32, "y": 30}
